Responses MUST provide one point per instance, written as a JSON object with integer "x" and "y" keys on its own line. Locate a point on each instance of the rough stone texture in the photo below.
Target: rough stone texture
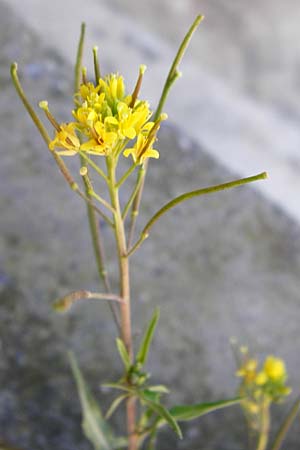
{"x": 245, "y": 133}
{"x": 218, "y": 266}
{"x": 253, "y": 46}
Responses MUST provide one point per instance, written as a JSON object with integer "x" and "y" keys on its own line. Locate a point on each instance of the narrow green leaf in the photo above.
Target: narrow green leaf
{"x": 152, "y": 396}
{"x": 94, "y": 426}
{"x": 159, "y": 388}
{"x": 123, "y": 353}
{"x": 119, "y": 386}
{"x": 115, "y": 405}
{"x": 146, "y": 342}
{"x": 162, "y": 412}
{"x": 190, "y": 412}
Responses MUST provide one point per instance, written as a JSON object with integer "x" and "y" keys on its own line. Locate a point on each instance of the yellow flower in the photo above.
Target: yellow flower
{"x": 141, "y": 150}
{"x": 274, "y": 368}
{"x": 261, "y": 378}
{"x": 248, "y": 370}
{"x": 85, "y": 115}
{"x": 114, "y": 89}
{"x": 106, "y": 118}
{"x": 102, "y": 141}
{"x": 67, "y": 139}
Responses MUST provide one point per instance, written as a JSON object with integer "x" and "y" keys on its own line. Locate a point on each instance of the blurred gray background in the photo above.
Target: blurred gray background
{"x": 220, "y": 266}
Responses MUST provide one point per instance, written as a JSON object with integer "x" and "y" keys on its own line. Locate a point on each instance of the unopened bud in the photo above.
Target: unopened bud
{"x": 143, "y": 69}
{"x": 44, "y": 105}
{"x": 83, "y": 171}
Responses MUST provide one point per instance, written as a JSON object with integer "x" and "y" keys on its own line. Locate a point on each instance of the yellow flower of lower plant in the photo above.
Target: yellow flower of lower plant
{"x": 274, "y": 368}
{"x": 248, "y": 370}
{"x": 261, "y": 378}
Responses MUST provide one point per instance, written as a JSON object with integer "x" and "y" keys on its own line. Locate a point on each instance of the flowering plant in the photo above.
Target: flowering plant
{"x": 107, "y": 124}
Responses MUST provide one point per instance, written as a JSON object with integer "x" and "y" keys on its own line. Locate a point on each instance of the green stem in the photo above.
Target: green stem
{"x": 126, "y": 175}
{"x": 171, "y": 78}
{"x": 28, "y": 107}
{"x": 264, "y": 426}
{"x": 137, "y": 201}
{"x": 173, "y": 73}
{"x": 132, "y": 197}
{"x": 126, "y": 333}
{"x": 101, "y": 200}
{"x": 93, "y": 165}
{"x": 78, "y": 64}
{"x": 187, "y": 196}
{"x": 96, "y": 65}
{"x": 283, "y": 430}
{"x": 64, "y": 304}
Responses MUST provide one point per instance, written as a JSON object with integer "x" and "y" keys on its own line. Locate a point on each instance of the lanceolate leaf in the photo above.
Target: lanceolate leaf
{"x": 163, "y": 413}
{"x": 146, "y": 342}
{"x": 114, "y": 405}
{"x": 123, "y": 353}
{"x": 159, "y": 388}
{"x": 190, "y": 412}
{"x": 94, "y": 426}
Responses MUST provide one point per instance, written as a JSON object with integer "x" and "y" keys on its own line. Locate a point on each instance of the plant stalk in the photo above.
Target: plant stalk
{"x": 126, "y": 333}
{"x": 264, "y": 426}
{"x": 283, "y": 430}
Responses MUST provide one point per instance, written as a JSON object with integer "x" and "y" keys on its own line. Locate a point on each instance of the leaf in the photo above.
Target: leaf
{"x": 151, "y": 396}
{"x": 123, "y": 353}
{"x": 119, "y": 386}
{"x": 94, "y": 426}
{"x": 146, "y": 342}
{"x": 162, "y": 412}
{"x": 159, "y": 388}
{"x": 190, "y": 412}
{"x": 115, "y": 405}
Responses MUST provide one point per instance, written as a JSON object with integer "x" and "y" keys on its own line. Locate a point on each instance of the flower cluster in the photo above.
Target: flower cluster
{"x": 107, "y": 122}
{"x": 261, "y": 385}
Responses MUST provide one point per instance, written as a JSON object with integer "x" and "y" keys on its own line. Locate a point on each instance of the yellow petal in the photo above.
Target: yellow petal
{"x": 129, "y": 132}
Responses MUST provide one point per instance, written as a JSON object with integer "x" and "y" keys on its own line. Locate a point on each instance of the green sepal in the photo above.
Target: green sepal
{"x": 190, "y": 412}
{"x": 123, "y": 354}
{"x": 142, "y": 354}
{"x": 94, "y": 426}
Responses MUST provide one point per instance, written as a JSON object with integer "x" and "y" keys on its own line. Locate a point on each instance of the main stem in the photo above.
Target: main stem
{"x": 265, "y": 425}
{"x": 124, "y": 294}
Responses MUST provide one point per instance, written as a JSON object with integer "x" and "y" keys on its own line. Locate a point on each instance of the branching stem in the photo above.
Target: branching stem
{"x": 187, "y": 196}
